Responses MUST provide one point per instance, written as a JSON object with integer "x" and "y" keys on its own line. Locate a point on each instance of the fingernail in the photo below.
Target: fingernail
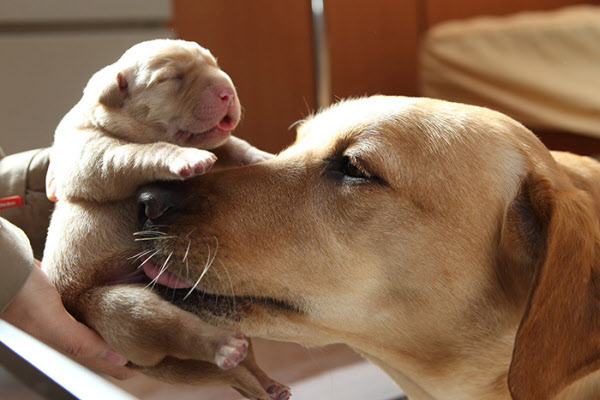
{"x": 51, "y": 191}
{"x": 114, "y": 358}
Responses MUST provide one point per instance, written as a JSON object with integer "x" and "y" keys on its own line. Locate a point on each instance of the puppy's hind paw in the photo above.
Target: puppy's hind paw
{"x": 277, "y": 391}
{"x": 232, "y": 352}
{"x": 192, "y": 162}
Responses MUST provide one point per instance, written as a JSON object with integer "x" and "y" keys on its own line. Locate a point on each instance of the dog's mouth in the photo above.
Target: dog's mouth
{"x": 208, "y": 306}
{"x": 163, "y": 276}
{"x": 223, "y": 127}
{"x": 226, "y": 123}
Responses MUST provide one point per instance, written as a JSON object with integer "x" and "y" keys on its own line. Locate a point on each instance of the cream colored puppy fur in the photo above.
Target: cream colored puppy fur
{"x": 149, "y": 116}
{"x": 152, "y": 115}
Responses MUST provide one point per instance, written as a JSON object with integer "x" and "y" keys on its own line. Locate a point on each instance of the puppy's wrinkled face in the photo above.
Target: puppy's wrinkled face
{"x": 174, "y": 89}
{"x": 361, "y": 222}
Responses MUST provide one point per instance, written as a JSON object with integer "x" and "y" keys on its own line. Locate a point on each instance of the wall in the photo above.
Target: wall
{"x": 266, "y": 46}
{"x": 49, "y": 50}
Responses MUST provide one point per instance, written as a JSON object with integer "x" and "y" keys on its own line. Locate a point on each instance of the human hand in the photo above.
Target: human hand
{"x": 38, "y": 310}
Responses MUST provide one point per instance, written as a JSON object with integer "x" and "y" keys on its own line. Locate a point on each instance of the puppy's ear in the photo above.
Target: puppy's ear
{"x": 558, "y": 340}
{"x": 114, "y": 94}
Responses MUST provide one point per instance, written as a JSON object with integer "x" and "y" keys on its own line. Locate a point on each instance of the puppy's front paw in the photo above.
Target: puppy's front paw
{"x": 232, "y": 352}
{"x": 260, "y": 156}
{"x": 192, "y": 162}
{"x": 255, "y": 156}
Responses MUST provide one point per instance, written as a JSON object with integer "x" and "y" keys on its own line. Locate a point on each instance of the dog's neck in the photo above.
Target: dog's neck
{"x": 408, "y": 385}
{"x": 480, "y": 372}
{"x": 421, "y": 378}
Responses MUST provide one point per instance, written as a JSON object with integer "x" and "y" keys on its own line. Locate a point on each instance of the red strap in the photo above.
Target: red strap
{"x": 12, "y": 201}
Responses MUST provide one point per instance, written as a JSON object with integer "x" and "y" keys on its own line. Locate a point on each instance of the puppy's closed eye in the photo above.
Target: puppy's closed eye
{"x": 171, "y": 78}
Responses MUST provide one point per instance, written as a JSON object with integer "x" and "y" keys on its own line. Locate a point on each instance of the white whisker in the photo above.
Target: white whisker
{"x": 148, "y": 233}
{"x": 192, "y": 231}
{"x": 153, "y": 254}
{"x": 155, "y": 238}
{"x": 163, "y": 269}
{"x": 187, "y": 250}
{"x": 216, "y": 250}
{"x": 207, "y": 264}
{"x": 139, "y": 255}
{"x": 206, "y": 267}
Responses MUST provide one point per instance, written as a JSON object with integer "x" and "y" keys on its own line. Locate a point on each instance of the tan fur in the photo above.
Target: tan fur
{"x": 456, "y": 252}
{"x": 149, "y": 116}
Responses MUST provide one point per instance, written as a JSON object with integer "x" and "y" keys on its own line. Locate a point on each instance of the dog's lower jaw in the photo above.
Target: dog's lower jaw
{"x": 224, "y": 307}
{"x": 266, "y": 318}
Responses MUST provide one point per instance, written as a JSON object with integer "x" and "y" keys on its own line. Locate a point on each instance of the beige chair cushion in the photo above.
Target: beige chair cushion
{"x": 542, "y": 68}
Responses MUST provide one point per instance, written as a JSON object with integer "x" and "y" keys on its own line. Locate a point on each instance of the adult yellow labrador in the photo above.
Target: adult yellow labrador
{"x": 442, "y": 241}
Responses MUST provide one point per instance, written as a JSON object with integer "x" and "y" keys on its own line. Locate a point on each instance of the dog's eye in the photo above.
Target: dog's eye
{"x": 352, "y": 169}
{"x": 349, "y": 169}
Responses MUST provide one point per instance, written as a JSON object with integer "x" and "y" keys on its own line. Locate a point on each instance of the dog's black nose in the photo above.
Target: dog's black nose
{"x": 155, "y": 200}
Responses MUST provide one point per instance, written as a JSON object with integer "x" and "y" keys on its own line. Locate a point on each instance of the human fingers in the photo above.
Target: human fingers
{"x": 51, "y": 184}
{"x": 85, "y": 346}
{"x": 38, "y": 310}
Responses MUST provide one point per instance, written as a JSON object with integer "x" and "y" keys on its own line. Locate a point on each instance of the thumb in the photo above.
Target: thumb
{"x": 51, "y": 190}
{"x": 78, "y": 341}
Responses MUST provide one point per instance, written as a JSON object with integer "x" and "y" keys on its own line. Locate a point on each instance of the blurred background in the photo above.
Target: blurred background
{"x": 536, "y": 60}
{"x": 278, "y": 59}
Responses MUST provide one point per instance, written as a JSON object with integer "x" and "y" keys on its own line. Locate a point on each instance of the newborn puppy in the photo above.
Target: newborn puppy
{"x": 152, "y": 115}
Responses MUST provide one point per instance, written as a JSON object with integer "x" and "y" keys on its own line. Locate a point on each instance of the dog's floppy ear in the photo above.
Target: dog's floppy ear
{"x": 558, "y": 340}
{"x": 113, "y": 95}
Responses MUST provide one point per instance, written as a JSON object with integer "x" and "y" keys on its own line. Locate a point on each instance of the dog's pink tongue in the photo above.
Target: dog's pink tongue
{"x": 226, "y": 124}
{"x": 165, "y": 277}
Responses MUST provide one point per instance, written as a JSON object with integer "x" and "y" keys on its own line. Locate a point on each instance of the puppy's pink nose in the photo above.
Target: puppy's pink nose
{"x": 217, "y": 101}
{"x": 226, "y": 94}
